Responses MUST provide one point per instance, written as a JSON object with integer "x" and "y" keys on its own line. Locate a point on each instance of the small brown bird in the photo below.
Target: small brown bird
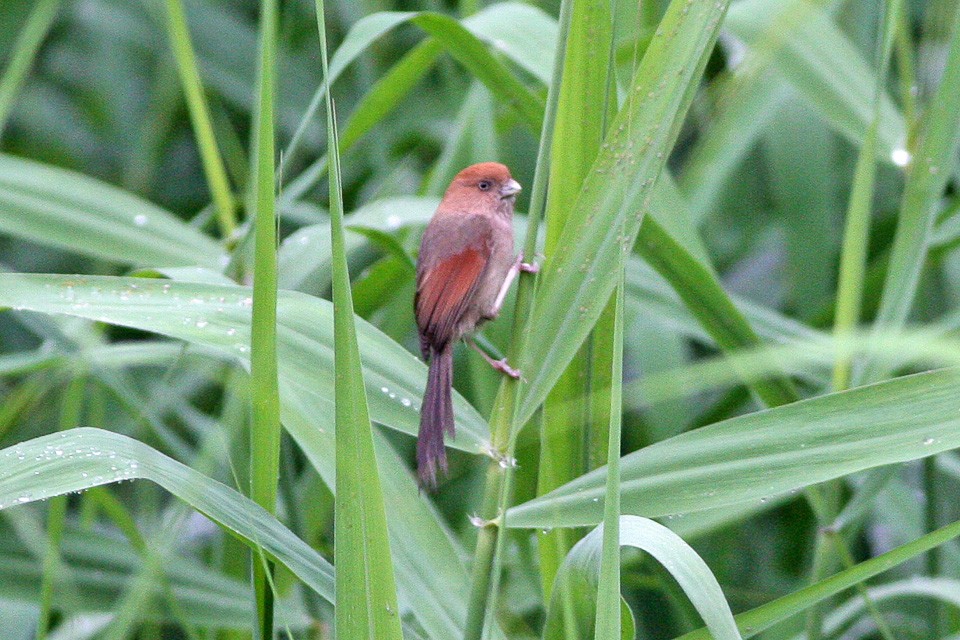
{"x": 466, "y": 265}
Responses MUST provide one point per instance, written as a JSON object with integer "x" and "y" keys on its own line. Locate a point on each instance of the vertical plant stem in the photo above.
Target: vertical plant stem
{"x": 264, "y": 388}
{"x": 498, "y": 482}
{"x": 853, "y": 257}
{"x": 608, "y": 598}
{"x": 213, "y": 166}
{"x": 366, "y": 592}
{"x": 24, "y": 51}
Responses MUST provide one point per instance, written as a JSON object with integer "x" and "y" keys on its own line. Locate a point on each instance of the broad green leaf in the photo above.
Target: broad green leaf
{"x": 761, "y": 455}
{"x": 615, "y": 194}
{"x": 79, "y": 459}
{"x": 64, "y": 209}
{"x": 219, "y": 317}
{"x": 580, "y": 570}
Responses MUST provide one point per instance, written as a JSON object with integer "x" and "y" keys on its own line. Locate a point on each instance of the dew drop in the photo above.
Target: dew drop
{"x": 140, "y": 220}
{"x": 928, "y": 441}
{"x": 900, "y": 157}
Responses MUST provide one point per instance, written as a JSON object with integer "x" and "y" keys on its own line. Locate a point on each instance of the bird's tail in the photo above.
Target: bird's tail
{"x": 436, "y": 418}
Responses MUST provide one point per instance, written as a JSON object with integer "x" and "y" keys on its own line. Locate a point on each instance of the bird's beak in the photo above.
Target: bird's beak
{"x": 510, "y": 188}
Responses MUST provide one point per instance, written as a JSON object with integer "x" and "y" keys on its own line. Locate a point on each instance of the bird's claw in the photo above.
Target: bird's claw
{"x": 527, "y": 267}
{"x": 502, "y": 366}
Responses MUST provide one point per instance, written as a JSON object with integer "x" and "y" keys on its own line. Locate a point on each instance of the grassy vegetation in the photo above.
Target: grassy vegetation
{"x": 746, "y": 218}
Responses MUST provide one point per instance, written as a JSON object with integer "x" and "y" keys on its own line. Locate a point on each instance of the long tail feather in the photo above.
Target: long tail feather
{"x": 436, "y": 419}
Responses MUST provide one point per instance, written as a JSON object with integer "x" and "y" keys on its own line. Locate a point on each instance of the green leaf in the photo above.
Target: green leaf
{"x": 79, "y": 459}
{"x": 64, "y": 209}
{"x": 615, "y": 194}
{"x": 571, "y": 432}
{"x": 219, "y": 318}
{"x": 265, "y": 427}
{"x": 366, "y": 587}
{"x": 213, "y": 166}
{"x": 758, "y": 456}
{"x": 578, "y": 577}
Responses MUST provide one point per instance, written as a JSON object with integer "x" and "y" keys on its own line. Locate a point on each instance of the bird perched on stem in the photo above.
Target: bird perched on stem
{"x": 465, "y": 267}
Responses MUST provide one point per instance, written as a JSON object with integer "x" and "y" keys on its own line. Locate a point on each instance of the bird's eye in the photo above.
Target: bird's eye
{"x": 484, "y": 185}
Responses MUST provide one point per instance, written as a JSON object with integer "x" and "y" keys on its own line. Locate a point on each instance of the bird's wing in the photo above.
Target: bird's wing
{"x": 446, "y": 286}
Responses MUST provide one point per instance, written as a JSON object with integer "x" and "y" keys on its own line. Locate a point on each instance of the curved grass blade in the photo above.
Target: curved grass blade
{"x": 61, "y": 208}
{"x": 464, "y": 44}
{"x": 79, "y": 459}
{"x": 581, "y": 567}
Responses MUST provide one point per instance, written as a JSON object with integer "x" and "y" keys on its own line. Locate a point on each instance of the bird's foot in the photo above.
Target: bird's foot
{"x": 502, "y": 366}
{"x": 527, "y": 267}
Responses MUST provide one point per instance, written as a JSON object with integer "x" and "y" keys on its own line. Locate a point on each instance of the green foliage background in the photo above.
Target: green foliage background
{"x": 781, "y": 206}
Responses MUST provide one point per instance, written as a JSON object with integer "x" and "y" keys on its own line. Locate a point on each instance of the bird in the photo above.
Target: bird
{"x": 465, "y": 267}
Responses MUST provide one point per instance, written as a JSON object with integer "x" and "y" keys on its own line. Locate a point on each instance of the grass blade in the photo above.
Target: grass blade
{"x": 853, "y": 258}
{"x": 61, "y": 208}
{"x": 571, "y": 432}
{"x": 264, "y": 377}
{"x": 34, "y": 470}
{"x": 213, "y": 165}
{"x": 366, "y": 589}
{"x": 579, "y": 281}
{"x": 581, "y": 568}
{"x": 757, "y": 620}
{"x": 932, "y": 164}
{"x": 747, "y": 458}
{"x": 24, "y": 51}
{"x": 608, "y": 596}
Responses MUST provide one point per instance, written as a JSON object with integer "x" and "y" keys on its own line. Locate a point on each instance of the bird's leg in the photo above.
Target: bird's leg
{"x": 518, "y": 266}
{"x": 499, "y": 365}
{"x": 501, "y": 296}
